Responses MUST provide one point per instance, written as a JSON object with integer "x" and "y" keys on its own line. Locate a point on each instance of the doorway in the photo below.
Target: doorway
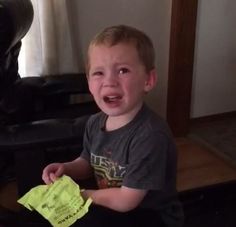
{"x": 181, "y": 58}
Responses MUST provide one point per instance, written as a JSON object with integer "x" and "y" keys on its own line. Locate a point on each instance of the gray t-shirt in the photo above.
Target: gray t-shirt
{"x": 140, "y": 155}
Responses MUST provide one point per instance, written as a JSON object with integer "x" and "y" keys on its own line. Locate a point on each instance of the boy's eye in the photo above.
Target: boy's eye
{"x": 97, "y": 73}
{"x": 123, "y": 70}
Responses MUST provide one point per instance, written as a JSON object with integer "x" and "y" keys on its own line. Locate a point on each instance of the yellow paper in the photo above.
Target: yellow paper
{"x": 60, "y": 203}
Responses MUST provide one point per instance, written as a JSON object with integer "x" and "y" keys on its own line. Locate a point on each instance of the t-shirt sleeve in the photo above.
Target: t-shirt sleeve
{"x": 147, "y": 162}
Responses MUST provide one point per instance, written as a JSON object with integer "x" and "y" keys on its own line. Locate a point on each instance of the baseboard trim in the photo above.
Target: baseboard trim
{"x": 214, "y": 117}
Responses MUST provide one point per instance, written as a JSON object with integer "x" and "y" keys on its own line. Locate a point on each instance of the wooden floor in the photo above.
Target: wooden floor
{"x": 197, "y": 166}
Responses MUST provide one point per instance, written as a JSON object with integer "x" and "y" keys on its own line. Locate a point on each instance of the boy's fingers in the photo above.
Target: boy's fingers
{"x": 53, "y": 177}
{"x": 59, "y": 172}
{"x": 46, "y": 179}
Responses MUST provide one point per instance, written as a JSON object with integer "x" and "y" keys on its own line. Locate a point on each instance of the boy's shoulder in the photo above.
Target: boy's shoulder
{"x": 152, "y": 120}
{"x": 96, "y": 116}
{"x": 96, "y": 119}
{"x": 151, "y": 125}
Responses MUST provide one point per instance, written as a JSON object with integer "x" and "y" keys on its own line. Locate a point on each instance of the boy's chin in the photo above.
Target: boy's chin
{"x": 112, "y": 112}
{"x": 119, "y": 111}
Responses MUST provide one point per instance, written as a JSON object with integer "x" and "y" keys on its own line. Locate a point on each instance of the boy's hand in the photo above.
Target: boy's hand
{"x": 86, "y": 193}
{"x": 52, "y": 172}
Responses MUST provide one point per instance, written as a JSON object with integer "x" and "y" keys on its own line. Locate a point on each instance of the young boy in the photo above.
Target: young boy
{"x": 127, "y": 147}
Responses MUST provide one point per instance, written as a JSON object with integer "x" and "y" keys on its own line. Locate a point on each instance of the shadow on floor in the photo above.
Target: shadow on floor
{"x": 211, "y": 206}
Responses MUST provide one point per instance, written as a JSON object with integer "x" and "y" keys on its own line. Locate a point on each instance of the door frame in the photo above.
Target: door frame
{"x": 181, "y": 59}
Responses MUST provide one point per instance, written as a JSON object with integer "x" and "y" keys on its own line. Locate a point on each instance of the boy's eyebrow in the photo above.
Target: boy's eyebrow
{"x": 95, "y": 68}
{"x": 122, "y": 63}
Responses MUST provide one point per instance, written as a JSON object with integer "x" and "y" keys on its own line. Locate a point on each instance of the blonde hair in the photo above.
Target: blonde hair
{"x": 125, "y": 34}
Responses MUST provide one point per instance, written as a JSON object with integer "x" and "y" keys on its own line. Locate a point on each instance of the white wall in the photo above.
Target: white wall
{"x": 151, "y": 16}
{"x": 214, "y": 82}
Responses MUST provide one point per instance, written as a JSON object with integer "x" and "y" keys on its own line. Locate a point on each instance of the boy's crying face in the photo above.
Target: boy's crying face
{"x": 118, "y": 79}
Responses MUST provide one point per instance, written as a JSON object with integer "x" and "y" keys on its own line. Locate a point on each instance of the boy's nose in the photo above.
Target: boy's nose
{"x": 110, "y": 80}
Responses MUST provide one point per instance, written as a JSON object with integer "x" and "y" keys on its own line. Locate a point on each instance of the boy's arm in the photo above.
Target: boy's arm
{"x": 121, "y": 199}
{"x": 78, "y": 169}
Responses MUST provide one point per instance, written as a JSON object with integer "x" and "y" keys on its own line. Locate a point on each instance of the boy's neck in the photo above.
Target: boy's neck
{"x": 116, "y": 122}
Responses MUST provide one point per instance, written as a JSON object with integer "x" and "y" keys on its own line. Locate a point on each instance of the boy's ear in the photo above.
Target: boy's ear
{"x": 151, "y": 80}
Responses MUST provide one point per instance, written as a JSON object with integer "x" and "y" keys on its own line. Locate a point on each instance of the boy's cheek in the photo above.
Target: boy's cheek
{"x": 91, "y": 87}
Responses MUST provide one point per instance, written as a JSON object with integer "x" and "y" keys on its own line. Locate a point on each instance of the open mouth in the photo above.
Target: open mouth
{"x": 111, "y": 99}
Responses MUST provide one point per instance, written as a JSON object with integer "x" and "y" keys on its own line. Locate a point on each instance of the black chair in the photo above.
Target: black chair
{"x": 32, "y": 98}
{"x": 15, "y": 20}
{"x": 41, "y": 120}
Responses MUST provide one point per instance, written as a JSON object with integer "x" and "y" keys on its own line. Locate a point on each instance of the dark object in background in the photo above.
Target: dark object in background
{"x": 32, "y": 98}
{"x": 15, "y": 20}
{"x": 42, "y": 119}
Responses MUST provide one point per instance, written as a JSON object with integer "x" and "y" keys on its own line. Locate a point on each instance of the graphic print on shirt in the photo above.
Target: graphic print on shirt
{"x": 107, "y": 172}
